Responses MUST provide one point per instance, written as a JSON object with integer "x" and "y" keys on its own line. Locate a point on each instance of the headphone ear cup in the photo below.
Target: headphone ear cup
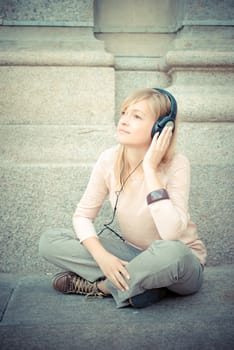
{"x": 170, "y": 124}
{"x": 161, "y": 123}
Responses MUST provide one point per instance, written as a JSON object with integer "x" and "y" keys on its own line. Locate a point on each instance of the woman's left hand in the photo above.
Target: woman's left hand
{"x": 157, "y": 149}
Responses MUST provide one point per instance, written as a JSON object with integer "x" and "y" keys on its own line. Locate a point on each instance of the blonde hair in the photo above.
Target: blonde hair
{"x": 160, "y": 106}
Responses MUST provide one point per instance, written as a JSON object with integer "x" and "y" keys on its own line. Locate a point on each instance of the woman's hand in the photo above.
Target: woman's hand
{"x": 157, "y": 150}
{"x": 114, "y": 269}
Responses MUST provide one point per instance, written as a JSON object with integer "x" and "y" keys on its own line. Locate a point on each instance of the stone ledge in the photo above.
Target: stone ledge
{"x": 55, "y": 57}
{"x": 137, "y": 44}
{"x": 200, "y": 58}
{"x": 140, "y": 64}
{"x": 39, "y": 23}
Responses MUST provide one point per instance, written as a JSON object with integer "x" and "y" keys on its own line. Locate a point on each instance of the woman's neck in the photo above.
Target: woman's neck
{"x": 134, "y": 156}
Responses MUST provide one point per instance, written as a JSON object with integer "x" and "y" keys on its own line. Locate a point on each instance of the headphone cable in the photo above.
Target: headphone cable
{"x": 106, "y": 226}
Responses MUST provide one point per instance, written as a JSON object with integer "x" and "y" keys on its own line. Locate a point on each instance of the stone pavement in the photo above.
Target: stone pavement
{"x": 34, "y": 316}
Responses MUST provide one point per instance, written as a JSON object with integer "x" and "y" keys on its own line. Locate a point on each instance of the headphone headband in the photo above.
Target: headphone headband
{"x": 172, "y": 100}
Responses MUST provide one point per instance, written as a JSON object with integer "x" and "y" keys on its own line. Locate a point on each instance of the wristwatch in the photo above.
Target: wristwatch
{"x": 157, "y": 195}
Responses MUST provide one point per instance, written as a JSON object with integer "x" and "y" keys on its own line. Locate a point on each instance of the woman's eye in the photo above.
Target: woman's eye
{"x": 137, "y": 116}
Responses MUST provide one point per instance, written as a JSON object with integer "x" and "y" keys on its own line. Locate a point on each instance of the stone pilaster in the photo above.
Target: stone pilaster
{"x": 56, "y": 116}
{"x": 202, "y": 70}
{"x": 201, "y": 66}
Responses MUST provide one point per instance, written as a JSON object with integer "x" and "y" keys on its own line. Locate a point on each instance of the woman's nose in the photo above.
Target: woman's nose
{"x": 124, "y": 119}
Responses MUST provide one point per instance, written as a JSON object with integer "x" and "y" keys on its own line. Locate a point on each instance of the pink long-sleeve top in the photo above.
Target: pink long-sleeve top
{"x": 140, "y": 223}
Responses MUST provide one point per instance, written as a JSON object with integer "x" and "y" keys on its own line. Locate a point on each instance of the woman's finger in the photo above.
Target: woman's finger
{"x": 124, "y": 271}
{"x": 122, "y": 282}
{"x": 165, "y": 137}
{"x": 119, "y": 282}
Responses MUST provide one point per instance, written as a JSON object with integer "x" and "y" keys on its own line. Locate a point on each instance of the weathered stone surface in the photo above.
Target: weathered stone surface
{"x": 38, "y": 39}
{"x": 208, "y": 144}
{"x": 35, "y": 196}
{"x": 195, "y": 107}
{"x": 66, "y": 12}
{"x": 128, "y": 81}
{"x": 206, "y": 38}
{"x": 64, "y": 72}
{"x": 162, "y": 16}
{"x": 79, "y": 144}
{"x": 209, "y": 11}
{"x": 54, "y": 144}
{"x": 56, "y": 95}
{"x": 137, "y": 45}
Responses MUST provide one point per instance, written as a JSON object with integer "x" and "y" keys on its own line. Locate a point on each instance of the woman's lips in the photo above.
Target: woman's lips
{"x": 122, "y": 131}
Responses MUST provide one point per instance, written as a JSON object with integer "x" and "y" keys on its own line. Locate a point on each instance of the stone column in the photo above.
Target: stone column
{"x": 139, "y": 34}
{"x": 201, "y": 65}
{"x": 56, "y": 116}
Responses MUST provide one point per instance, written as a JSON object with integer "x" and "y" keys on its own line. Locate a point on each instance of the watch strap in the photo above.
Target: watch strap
{"x": 157, "y": 195}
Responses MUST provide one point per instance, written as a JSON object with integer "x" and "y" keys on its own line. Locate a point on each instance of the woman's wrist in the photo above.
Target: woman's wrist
{"x": 152, "y": 180}
{"x": 95, "y": 248}
{"x": 149, "y": 169}
{"x": 157, "y": 195}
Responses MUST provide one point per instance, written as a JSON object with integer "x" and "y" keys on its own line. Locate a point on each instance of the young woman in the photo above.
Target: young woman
{"x": 147, "y": 184}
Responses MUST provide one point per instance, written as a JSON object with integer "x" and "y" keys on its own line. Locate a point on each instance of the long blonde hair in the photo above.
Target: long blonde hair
{"x": 160, "y": 105}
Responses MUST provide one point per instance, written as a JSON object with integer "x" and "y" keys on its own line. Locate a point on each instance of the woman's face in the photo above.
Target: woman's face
{"x": 135, "y": 125}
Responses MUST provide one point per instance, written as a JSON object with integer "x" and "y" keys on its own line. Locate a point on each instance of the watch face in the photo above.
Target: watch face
{"x": 156, "y": 195}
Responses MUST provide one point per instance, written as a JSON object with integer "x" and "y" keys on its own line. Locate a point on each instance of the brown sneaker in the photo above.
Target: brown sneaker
{"x": 70, "y": 283}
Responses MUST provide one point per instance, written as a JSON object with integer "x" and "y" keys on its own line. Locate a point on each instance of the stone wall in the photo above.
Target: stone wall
{"x": 65, "y": 67}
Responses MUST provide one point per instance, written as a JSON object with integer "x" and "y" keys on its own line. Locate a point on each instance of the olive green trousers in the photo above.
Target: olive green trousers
{"x": 169, "y": 264}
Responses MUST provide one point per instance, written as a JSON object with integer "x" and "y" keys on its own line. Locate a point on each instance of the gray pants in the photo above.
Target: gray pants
{"x": 169, "y": 264}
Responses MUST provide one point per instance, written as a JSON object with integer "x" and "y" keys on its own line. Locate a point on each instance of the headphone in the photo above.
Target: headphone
{"x": 166, "y": 120}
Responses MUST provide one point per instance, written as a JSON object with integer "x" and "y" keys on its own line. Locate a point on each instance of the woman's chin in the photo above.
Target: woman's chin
{"x": 121, "y": 139}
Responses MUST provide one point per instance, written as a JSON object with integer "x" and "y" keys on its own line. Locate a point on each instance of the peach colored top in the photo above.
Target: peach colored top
{"x": 140, "y": 223}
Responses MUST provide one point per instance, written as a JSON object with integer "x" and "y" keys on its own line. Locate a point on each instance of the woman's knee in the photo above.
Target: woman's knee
{"x": 49, "y": 241}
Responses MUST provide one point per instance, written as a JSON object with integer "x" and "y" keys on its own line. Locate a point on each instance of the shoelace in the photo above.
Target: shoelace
{"x": 82, "y": 286}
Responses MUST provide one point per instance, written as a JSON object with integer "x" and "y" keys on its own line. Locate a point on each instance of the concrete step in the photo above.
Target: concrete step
{"x": 34, "y": 316}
